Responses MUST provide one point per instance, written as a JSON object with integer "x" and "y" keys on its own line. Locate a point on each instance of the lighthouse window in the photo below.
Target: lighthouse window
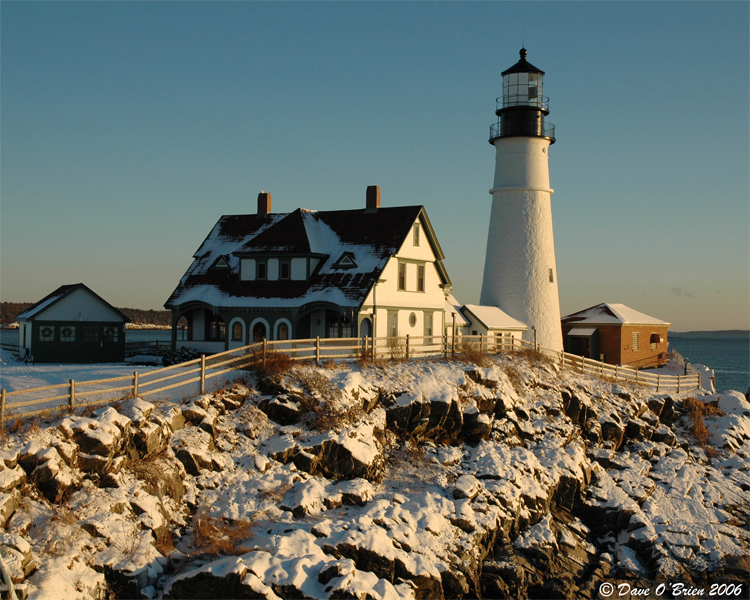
{"x": 551, "y": 277}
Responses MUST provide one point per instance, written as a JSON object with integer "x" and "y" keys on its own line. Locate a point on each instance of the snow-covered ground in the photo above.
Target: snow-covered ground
{"x": 15, "y": 375}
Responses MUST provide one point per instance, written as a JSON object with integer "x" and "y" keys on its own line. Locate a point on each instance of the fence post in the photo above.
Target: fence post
{"x": 366, "y": 350}
{"x": 445, "y": 345}
{"x": 2, "y": 413}
{"x": 657, "y": 383}
{"x": 203, "y": 373}
{"x": 583, "y": 364}
{"x": 678, "y": 384}
{"x": 407, "y": 346}
{"x": 481, "y": 343}
{"x": 636, "y": 376}
{"x": 562, "y": 359}
{"x": 265, "y": 346}
{"x": 317, "y": 350}
{"x": 72, "y": 395}
{"x": 616, "y": 373}
{"x": 135, "y": 383}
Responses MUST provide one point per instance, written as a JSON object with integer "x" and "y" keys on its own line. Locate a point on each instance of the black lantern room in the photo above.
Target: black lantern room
{"x": 522, "y": 108}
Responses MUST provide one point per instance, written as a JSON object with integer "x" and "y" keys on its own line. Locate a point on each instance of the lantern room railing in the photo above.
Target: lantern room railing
{"x": 522, "y": 128}
{"x": 541, "y": 102}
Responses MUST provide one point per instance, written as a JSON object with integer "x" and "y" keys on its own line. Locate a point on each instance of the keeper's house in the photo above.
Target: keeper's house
{"x": 307, "y": 274}
{"x": 616, "y": 334}
{"x": 72, "y": 325}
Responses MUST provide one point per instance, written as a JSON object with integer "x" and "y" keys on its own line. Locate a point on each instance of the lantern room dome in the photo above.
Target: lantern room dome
{"x": 522, "y": 66}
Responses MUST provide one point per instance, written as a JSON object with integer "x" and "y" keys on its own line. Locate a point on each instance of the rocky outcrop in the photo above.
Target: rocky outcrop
{"x": 431, "y": 481}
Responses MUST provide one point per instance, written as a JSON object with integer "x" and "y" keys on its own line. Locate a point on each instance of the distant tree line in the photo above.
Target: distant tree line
{"x": 9, "y": 311}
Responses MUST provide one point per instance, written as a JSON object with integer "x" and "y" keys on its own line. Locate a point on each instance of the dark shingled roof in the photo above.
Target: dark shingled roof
{"x": 371, "y": 236}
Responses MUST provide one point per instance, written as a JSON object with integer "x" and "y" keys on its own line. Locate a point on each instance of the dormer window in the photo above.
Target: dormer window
{"x": 345, "y": 261}
{"x": 285, "y": 269}
{"x": 416, "y": 234}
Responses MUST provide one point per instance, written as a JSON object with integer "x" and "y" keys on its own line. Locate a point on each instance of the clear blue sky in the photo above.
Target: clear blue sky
{"x": 128, "y": 128}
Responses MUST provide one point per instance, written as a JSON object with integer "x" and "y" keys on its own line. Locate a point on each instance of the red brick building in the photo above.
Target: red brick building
{"x": 616, "y": 334}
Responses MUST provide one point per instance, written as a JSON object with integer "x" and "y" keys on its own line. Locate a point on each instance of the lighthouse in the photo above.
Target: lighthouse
{"x": 520, "y": 273}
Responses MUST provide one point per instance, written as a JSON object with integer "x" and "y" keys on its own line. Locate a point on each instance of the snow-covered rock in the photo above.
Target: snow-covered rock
{"x": 436, "y": 479}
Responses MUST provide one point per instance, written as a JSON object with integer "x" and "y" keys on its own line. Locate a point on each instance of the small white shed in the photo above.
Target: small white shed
{"x": 497, "y": 325}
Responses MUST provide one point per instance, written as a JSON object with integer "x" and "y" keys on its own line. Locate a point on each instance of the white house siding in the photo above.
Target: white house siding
{"x": 24, "y": 337}
{"x": 389, "y": 297}
{"x": 80, "y": 305}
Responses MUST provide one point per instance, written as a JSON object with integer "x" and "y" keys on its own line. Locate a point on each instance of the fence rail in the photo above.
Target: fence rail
{"x": 211, "y": 372}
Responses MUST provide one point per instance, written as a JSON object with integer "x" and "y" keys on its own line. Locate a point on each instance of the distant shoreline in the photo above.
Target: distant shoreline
{"x": 716, "y": 333}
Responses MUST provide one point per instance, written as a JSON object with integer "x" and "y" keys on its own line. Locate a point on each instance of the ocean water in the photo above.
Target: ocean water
{"x": 727, "y": 355}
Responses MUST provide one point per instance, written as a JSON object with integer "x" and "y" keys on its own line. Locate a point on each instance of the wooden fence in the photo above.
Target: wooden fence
{"x": 211, "y": 372}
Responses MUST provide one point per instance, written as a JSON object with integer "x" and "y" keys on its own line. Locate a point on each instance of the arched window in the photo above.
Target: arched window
{"x": 259, "y": 332}
{"x": 282, "y": 333}
{"x": 237, "y": 331}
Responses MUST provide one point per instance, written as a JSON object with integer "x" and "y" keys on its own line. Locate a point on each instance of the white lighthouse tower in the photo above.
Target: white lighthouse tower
{"x": 520, "y": 274}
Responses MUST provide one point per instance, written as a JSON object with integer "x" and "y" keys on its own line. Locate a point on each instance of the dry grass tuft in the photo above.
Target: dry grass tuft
{"x": 514, "y": 376}
{"x": 697, "y": 410}
{"x": 165, "y": 542}
{"x": 222, "y": 537}
{"x": 396, "y": 350}
{"x": 323, "y": 406}
{"x": 533, "y": 356}
{"x": 273, "y": 364}
{"x": 474, "y": 353}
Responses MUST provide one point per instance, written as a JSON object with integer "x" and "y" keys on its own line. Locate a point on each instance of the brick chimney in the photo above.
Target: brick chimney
{"x": 264, "y": 203}
{"x": 373, "y": 197}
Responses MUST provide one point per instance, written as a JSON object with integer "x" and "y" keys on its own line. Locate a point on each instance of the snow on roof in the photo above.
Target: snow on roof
{"x": 61, "y": 292}
{"x": 35, "y": 309}
{"x": 615, "y": 314}
{"x": 492, "y": 317}
{"x": 370, "y": 237}
{"x": 452, "y": 307}
{"x": 582, "y": 331}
